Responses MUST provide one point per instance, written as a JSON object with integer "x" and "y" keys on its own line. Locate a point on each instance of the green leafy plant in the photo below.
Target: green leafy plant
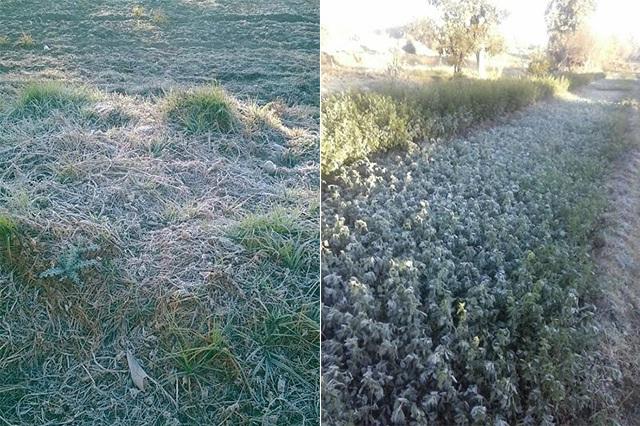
{"x": 73, "y": 262}
{"x": 458, "y": 282}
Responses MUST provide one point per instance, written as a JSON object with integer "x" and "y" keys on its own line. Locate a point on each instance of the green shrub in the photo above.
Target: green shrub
{"x": 203, "y": 110}
{"x": 40, "y": 98}
{"x": 540, "y": 65}
{"x": 358, "y": 124}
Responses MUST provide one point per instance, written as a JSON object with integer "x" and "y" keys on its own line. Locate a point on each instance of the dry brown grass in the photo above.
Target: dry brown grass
{"x": 618, "y": 256}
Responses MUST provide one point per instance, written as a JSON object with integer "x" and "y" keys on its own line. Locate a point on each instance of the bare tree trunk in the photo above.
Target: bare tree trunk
{"x": 480, "y": 57}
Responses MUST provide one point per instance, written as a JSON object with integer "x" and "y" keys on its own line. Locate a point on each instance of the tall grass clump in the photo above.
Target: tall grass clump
{"x": 42, "y": 97}
{"x": 208, "y": 109}
{"x": 19, "y": 252}
{"x": 357, "y": 124}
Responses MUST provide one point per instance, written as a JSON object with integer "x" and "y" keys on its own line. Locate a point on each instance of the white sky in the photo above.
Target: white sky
{"x": 524, "y": 24}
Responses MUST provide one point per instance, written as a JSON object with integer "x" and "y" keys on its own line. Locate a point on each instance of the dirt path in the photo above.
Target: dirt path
{"x": 619, "y": 266}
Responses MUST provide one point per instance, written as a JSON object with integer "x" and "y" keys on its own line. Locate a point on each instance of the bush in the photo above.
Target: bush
{"x": 409, "y": 48}
{"x": 540, "y": 65}
{"x": 203, "y": 110}
{"x": 358, "y": 124}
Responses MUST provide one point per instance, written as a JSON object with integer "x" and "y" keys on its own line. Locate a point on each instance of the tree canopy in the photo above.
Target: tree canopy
{"x": 468, "y": 26}
{"x": 565, "y": 22}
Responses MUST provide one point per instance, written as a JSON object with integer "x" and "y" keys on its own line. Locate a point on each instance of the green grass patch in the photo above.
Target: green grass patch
{"x": 25, "y": 40}
{"x": 16, "y": 254}
{"x": 19, "y": 252}
{"x": 208, "y": 109}
{"x": 280, "y": 235}
{"x": 287, "y": 329}
{"x": 43, "y": 97}
{"x": 199, "y": 354}
{"x": 8, "y": 231}
{"x": 358, "y": 124}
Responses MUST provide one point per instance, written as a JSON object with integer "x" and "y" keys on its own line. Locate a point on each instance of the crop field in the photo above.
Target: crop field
{"x": 159, "y": 212}
{"x": 463, "y": 278}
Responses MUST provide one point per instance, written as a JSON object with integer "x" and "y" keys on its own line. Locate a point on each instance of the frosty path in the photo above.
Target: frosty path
{"x": 619, "y": 263}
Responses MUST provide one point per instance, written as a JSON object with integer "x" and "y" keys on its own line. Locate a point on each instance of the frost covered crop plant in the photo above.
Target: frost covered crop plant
{"x": 457, "y": 282}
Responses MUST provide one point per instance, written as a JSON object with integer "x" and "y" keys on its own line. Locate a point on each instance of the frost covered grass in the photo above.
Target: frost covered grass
{"x": 458, "y": 284}
{"x": 149, "y": 48}
{"x": 123, "y": 237}
{"x": 359, "y": 124}
{"x": 119, "y": 219}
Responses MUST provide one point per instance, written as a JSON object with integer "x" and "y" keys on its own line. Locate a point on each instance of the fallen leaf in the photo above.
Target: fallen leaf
{"x": 137, "y": 373}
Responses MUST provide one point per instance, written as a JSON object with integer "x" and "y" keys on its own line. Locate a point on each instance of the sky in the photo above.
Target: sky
{"x": 524, "y": 24}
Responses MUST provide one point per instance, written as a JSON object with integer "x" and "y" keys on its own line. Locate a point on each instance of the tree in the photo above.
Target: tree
{"x": 565, "y": 19}
{"x": 424, "y": 30}
{"x": 468, "y": 26}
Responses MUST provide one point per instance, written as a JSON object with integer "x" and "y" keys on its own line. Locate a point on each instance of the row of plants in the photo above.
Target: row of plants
{"x": 458, "y": 285}
{"x": 358, "y": 124}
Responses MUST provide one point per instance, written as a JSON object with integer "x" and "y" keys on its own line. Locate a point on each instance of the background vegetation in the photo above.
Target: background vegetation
{"x": 358, "y": 124}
